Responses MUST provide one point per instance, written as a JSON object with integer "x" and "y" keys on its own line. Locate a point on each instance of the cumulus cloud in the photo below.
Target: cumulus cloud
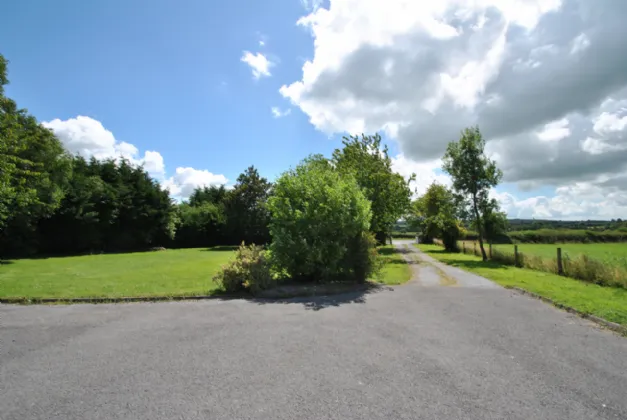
{"x": 278, "y": 113}
{"x": 186, "y": 180}
{"x": 258, "y": 63}
{"x": 545, "y": 80}
{"x": 87, "y": 137}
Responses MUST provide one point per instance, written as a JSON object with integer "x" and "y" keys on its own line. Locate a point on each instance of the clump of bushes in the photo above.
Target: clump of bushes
{"x": 249, "y": 271}
{"x": 319, "y": 225}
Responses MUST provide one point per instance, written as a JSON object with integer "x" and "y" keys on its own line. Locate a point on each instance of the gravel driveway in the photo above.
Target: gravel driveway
{"x": 434, "y": 348}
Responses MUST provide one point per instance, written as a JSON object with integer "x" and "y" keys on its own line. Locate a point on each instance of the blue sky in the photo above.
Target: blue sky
{"x": 167, "y": 84}
{"x": 167, "y": 76}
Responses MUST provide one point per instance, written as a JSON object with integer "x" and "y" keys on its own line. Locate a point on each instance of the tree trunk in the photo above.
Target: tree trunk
{"x": 484, "y": 256}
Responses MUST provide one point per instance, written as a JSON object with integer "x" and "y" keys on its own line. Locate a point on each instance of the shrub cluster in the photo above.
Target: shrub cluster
{"x": 249, "y": 271}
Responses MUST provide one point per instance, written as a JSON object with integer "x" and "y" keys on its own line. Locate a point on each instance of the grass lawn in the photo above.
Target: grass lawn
{"x": 174, "y": 272}
{"x": 396, "y": 270}
{"x": 606, "y": 302}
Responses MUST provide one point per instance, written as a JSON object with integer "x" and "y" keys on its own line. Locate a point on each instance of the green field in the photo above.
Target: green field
{"x": 601, "y": 251}
{"x": 174, "y": 272}
{"x": 606, "y": 302}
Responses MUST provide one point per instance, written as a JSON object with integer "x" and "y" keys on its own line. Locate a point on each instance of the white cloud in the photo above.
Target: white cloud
{"x": 87, "y": 137}
{"x": 185, "y": 180}
{"x": 277, "y": 113}
{"x": 259, "y": 64}
{"x": 546, "y": 81}
{"x": 426, "y": 173}
{"x": 555, "y": 131}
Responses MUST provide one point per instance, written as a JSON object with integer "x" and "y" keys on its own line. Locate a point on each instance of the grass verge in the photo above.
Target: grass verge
{"x": 395, "y": 268}
{"x": 605, "y": 302}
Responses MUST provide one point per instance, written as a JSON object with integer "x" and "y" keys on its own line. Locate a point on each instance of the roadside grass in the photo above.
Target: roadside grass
{"x": 395, "y": 269}
{"x": 609, "y": 303}
{"x": 174, "y": 272}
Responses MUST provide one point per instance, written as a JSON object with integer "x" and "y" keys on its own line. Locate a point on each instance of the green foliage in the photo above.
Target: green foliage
{"x": 200, "y": 225}
{"x": 247, "y": 215}
{"x": 319, "y": 222}
{"x": 369, "y": 163}
{"x": 250, "y": 270}
{"x": 552, "y": 236}
{"x": 435, "y": 215}
{"x": 473, "y": 174}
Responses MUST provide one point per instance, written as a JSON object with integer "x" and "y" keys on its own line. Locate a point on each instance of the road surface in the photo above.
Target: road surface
{"x": 443, "y": 346}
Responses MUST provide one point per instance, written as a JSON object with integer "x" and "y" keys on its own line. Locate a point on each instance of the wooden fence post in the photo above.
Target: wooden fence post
{"x": 474, "y": 251}
{"x": 516, "y": 255}
{"x": 490, "y": 249}
{"x": 560, "y": 268}
{"x": 464, "y": 247}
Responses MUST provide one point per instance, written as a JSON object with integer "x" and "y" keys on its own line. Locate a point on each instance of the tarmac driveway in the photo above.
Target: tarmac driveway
{"x": 432, "y": 350}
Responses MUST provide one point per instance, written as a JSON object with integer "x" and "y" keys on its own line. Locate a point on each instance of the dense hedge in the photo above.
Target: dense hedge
{"x": 553, "y": 236}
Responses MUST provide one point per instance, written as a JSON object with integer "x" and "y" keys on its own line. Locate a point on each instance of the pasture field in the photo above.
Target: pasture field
{"x": 600, "y": 251}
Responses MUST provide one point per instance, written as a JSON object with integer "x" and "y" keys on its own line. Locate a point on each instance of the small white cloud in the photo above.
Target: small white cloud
{"x": 183, "y": 183}
{"x": 262, "y": 43}
{"x": 580, "y": 43}
{"x": 258, "y": 63}
{"x": 277, "y": 113}
{"x": 555, "y": 130}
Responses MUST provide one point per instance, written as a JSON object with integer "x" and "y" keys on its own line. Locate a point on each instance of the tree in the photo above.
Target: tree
{"x": 246, "y": 211}
{"x": 319, "y": 224}
{"x": 435, "y": 215}
{"x": 34, "y": 170}
{"x": 369, "y": 163}
{"x": 473, "y": 175}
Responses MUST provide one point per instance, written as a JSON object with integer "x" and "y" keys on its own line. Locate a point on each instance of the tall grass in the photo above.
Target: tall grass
{"x": 609, "y": 272}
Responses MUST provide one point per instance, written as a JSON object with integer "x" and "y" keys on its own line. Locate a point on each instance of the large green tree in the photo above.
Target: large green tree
{"x": 369, "y": 163}
{"x": 473, "y": 175}
{"x": 436, "y": 215}
{"x": 319, "y": 224}
{"x": 34, "y": 170}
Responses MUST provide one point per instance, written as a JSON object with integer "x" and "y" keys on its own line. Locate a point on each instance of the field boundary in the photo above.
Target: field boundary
{"x": 600, "y": 321}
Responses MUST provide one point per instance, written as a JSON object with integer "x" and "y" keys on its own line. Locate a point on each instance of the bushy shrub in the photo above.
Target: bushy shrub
{"x": 362, "y": 260}
{"x": 250, "y": 270}
{"x": 319, "y": 220}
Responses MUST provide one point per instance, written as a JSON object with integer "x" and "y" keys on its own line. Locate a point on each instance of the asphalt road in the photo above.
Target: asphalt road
{"x": 426, "y": 350}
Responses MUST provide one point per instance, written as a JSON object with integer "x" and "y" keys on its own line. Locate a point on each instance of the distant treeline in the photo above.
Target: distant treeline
{"x": 594, "y": 225}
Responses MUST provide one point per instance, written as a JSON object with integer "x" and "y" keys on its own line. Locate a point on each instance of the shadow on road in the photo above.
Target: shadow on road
{"x": 322, "y": 301}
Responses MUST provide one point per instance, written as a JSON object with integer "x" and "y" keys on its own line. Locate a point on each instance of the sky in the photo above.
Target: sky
{"x": 197, "y": 91}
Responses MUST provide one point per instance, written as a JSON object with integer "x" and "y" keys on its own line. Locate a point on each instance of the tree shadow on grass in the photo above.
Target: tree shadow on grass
{"x": 323, "y": 298}
{"x": 471, "y": 264}
{"x": 222, "y": 248}
{"x": 6, "y": 262}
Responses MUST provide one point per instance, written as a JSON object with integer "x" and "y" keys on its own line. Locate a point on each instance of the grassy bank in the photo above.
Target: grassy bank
{"x": 606, "y": 302}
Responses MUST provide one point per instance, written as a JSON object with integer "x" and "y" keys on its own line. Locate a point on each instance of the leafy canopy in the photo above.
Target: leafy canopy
{"x": 369, "y": 163}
